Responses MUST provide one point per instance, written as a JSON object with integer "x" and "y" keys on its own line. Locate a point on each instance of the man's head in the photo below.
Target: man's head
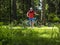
{"x": 31, "y": 9}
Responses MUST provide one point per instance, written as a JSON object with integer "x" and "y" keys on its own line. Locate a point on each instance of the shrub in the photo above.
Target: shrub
{"x": 1, "y": 23}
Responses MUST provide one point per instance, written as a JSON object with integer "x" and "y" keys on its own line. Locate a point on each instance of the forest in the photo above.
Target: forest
{"x": 14, "y": 23}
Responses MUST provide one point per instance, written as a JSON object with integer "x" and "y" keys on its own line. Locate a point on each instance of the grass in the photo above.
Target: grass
{"x": 45, "y": 32}
{"x": 27, "y": 36}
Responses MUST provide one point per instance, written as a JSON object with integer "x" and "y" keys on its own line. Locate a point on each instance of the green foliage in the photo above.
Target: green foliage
{"x": 6, "y": 9}
{"x": 53, "y": 17}
{"x": 46, "y": 6}
{"x": 56, "y": 19}
{"x": 1, "y": 23}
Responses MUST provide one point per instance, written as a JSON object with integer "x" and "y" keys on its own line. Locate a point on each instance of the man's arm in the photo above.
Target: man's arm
{"x": 36, "y": 13}
{"x": 27, "y": 14}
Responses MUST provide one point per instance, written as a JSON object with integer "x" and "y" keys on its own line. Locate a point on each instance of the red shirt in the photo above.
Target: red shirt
{"x": 31, "y": 14}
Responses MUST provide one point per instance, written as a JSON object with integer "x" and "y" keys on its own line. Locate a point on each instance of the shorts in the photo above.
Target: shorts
{"x": 31, "y": 19}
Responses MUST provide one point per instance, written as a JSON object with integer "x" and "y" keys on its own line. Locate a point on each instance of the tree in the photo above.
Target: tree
{"x": 14, "y": 10}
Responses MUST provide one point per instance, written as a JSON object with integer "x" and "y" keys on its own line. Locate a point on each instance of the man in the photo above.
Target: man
{"x": 30, "y": 15}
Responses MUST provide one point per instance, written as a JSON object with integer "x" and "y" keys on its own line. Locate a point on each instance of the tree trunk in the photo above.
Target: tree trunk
{"x": 29, "y": 3}
{"x": 42, "y": 11}
{"x": 14, "y": 10}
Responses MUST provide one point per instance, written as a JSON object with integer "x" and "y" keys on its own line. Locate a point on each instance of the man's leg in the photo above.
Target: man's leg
{"x": 32, "y": 22}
